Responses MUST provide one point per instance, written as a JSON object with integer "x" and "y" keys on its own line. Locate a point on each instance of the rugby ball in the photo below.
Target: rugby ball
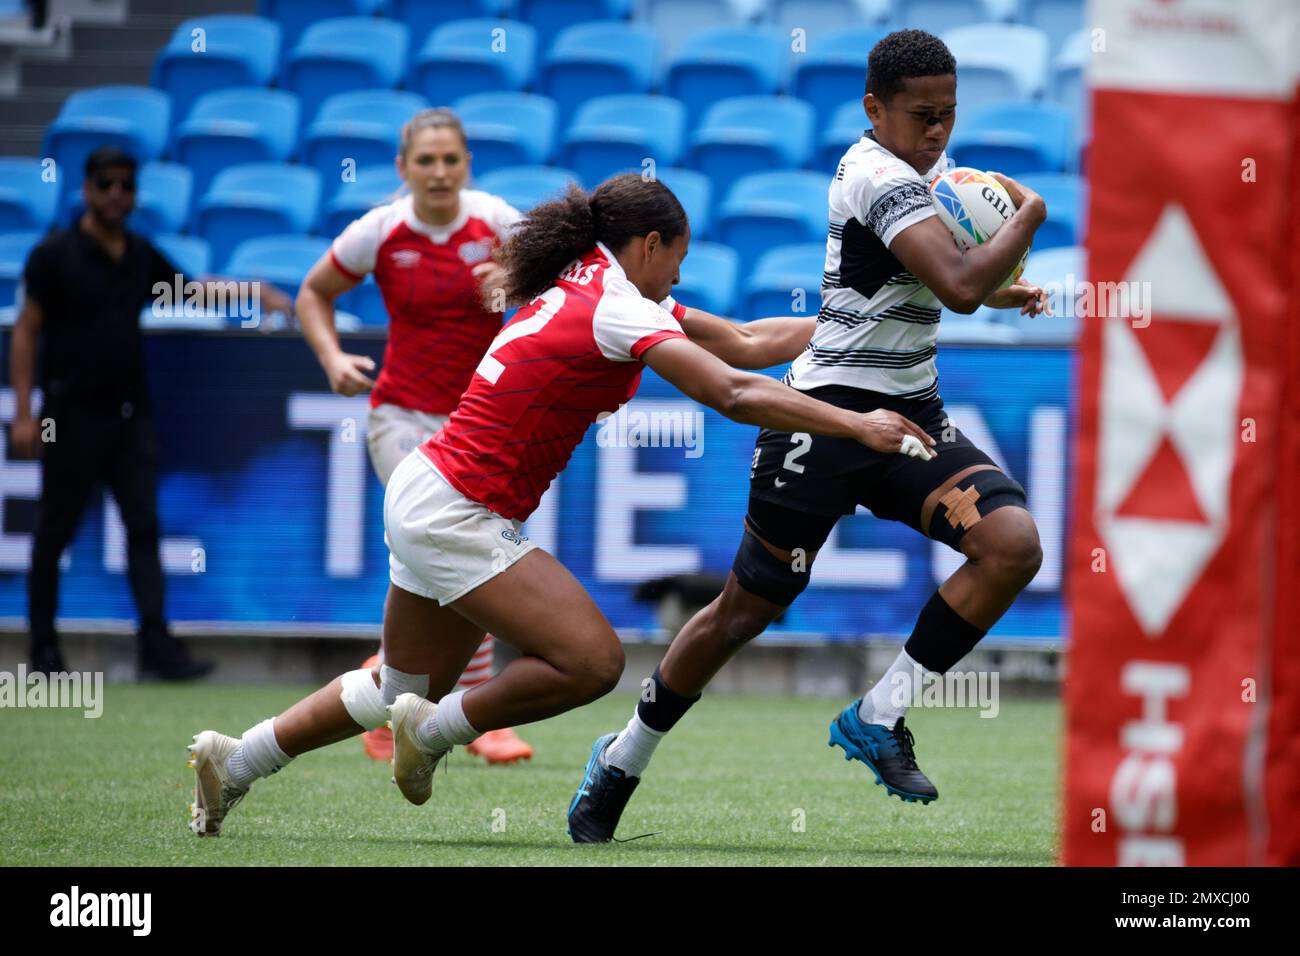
{"x": 973, "y": 205}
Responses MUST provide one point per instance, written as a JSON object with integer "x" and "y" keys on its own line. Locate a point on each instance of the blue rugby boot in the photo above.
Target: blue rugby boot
{"x": 601, "y": 797}
{"x": 888, "y": 753}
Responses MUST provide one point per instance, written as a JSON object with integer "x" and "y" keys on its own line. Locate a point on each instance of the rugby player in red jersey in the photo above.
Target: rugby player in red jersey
{"x": 431, "y": 253}
{"x": 595, "y": 271}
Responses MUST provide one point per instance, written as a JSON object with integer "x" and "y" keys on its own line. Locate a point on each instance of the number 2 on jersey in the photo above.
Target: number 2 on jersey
{"x": 552, "y": 301}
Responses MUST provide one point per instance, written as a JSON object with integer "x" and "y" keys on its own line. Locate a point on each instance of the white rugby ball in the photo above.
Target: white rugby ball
{"x": 973, "y": 205}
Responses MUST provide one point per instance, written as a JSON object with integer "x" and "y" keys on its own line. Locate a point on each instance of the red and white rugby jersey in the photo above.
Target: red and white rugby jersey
{"x": 570, "y": 354}
{"x": 439, "y": 326}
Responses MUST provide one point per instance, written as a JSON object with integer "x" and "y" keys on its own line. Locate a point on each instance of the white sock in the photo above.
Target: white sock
{"x": 633, "y": 747}
{"x": 889, "y": 699}
{"x": 393, "y": 683}
{"x": 448, "y": 726}
{"x": 258, "y": 755}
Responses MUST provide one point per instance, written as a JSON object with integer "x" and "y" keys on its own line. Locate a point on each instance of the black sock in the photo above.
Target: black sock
{"x": 941, "y": 637}
{"x": 664, "y": 707}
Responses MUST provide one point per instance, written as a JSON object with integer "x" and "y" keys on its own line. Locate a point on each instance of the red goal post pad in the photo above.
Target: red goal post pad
{"x": 1183, "y": 696}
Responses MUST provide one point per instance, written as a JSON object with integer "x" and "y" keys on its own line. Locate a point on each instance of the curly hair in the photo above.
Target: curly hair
{"x": 555, "y": 233}
{"x": 902, "y": 55}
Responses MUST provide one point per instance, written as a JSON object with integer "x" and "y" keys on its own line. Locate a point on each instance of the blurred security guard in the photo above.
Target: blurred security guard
{"x": 84, "y": 288}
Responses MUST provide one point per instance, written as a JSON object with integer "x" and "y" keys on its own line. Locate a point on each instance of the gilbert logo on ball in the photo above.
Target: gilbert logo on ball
{"x": 973, "y": 205}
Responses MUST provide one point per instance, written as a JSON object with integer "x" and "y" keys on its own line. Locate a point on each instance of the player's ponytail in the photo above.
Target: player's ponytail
{"x": 555, "y": 233}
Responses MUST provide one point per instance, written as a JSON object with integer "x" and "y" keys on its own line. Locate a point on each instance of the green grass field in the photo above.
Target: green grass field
{"x": 730, "y": 787}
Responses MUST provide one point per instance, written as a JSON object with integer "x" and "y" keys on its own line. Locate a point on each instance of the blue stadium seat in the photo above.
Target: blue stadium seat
{"x": 1068, "y": 85}
{"x": 474, "y": 56}
{"x": 162, "y": 199}
{"x": 132, "y": 118}
{"x": 724, "y": 62}
{"x": 823, "y": 20}
{"x": 752, "y": 134}
{"x": 694, "y": 191}
{"x": 373, "y": 186}
{"x": 779, "y": 276}
{"x": 365, "y": 301}
{"x": 256, "y": 199}
{"x": 283, "y": 261}
{"x": 525, "y": 186}
{"x": 596, "y": 59}
{"x": 939, "y": 15}
{"x": 846, "y": 127}
{"x": 1066, "y": 197}
{"x": 708, "y": 278}
{"x": 611, "y": 134}
{"x": 1059, "y": 19}
{"x": 241, "y": 125}
{"x": 835, "y": 70}
{"x": 551, "y": 17}
{"x": 236, "y": 50}
{"x": 338, "y": 56}
{"x": 295, "y": 16}
{"x": 14, "y": 249}
{"x": 422, "y": 17}
{"x": 666, "y": 17}
{"x": 363, "y": 127}
{"x": 1062, "y": 272}
{"x": 27, "y": 201}
{"x": 766, "y": 210}
{"x": 190, "y": 254}
{"x": 508, "y": 129}
{"x": 1014, "y": 138}
{"x": 998, "y": 61}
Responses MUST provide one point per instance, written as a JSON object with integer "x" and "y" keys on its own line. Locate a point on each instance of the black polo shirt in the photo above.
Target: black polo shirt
{"x": 93, "y": 348}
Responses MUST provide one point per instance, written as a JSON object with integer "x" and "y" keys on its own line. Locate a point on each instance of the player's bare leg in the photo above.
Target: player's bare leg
{"x": 422, "y": 641}
{"x": 569, "y": 653}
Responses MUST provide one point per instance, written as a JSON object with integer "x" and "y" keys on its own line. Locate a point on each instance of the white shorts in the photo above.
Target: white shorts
{"x": 442, "y": 545}
{"x": 393, "y": 432}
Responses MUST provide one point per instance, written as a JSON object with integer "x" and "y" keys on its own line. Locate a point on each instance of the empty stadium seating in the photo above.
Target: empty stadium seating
{"x": 27, "y": 198}
{"x": 751, "y": 134}
{"x": 786, "y": 280}
{"x": 474, "y": 56}
{"x": 14, "y": 248}
{"x": 356, "y": 129}
{"x": 508, "y": 129}
{"x": 339, "y": 56}
{"x": 231, "y": 126}
{"x": 708, "y": 278}
{"x": 766, "y": 210}
{"x": 190, "y": 254}
{"x": 217, "y": 51}
{"x": 256, "y": 199}
{"x": 615, "y": 133}
{"x": 745, "y": 106}
{"x": 596, "y": 59}
{"x": 724, "y": 62}
{"x": 281, "y": 260}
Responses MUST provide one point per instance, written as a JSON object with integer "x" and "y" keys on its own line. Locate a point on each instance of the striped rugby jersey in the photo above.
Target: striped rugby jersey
{"x": 878, "y": 324}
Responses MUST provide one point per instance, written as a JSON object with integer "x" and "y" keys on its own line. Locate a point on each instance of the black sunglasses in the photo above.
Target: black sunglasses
{"x": 105, "y": 183}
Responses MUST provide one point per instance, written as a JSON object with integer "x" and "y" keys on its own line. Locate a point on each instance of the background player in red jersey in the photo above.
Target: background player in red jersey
{"x": 596, "y": 272}
{"x": 431, "y": 252}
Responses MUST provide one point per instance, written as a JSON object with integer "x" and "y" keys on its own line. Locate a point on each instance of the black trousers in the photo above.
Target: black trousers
{"x": 117, "y": 446}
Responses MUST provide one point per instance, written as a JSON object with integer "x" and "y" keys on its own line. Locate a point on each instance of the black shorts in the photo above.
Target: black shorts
{"x": 832, "y": 476}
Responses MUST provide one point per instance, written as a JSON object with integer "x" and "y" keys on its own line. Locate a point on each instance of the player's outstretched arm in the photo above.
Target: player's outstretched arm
{"x": 315, "y": 311}
{"x": 758, "y": 344}
{"x": 964, "y": 280}
{"x": 758, "y": 400}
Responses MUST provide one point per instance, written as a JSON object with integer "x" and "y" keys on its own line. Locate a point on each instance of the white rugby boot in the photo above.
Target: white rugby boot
{"x": 215, "y": 794}
{"x": 412, "y": 763}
